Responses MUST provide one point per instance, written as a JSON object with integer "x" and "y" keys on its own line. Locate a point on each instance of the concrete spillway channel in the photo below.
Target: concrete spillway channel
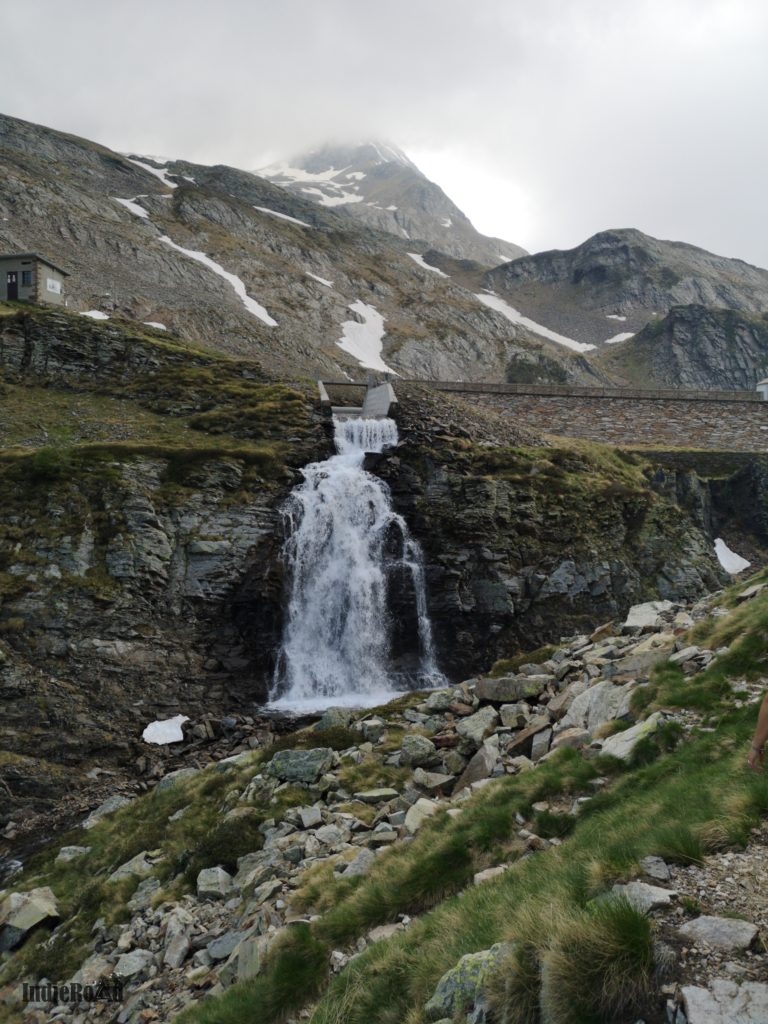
{"x": 379, "y": 402}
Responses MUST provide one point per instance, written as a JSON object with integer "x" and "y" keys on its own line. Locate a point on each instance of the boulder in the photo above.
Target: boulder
{"x": 622, "y": 744}
{"x": 601, "y": 703}
{"x": 461, "y": 986}
{"x": 302, "y": 766}
{"x": 213, "y": 883}
{"x": 377, "y": 796}
{"x": 511, "y": 688}
{"x": 433, "y": 782}
{"x": 139, "y": 866}
{"x": 133, "y": 963}
{"x": 646, "y": 616}
{"x": 478, "y": 726}
{"x": 20, "y": 912}
{"x": 418, "y": 814}
{"x": 480, "y": 767}
{"x": 418, "y": 752}
{"x": 644, "y": 897}
{"x": 69, "y": 853}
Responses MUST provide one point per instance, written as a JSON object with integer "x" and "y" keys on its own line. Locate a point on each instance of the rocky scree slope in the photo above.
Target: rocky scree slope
{"x": 310, "y": 269}
{"x": 377, "y": 184}
{"x": 395, "y": 861}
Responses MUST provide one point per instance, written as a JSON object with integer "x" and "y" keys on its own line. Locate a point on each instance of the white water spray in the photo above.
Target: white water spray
{"x": 346, "y": 549}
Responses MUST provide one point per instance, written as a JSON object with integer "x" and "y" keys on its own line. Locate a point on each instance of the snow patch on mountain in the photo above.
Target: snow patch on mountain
{"x": 363, "y": 341}
{"x": 625, "y": 336}
{"x": 418, "y": 258}
{"x": 516, "y": 317}
{"x": 282, "y": 216}
{"x": 322, "y": 280}
{"x": 133, "y": 206}
{"x": 729, "y": 560}
{"x": 159, "y": 172}
{"x": 239, "y": 288}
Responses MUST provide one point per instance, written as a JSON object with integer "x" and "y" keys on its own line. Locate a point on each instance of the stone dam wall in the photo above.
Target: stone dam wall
{"x": 734, "y": 421}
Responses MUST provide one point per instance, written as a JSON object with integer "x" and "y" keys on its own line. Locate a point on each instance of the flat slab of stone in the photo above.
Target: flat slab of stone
{"x": 134, "y": 963}
{"x": 645, "y": 616}
{"x": 68, "y": 853}
{"x": 726, "y": 1002}
{"x": 601, "y": 703}
{"x": 112, "y": 803}
{"x": 480, "y": 767}
{"x": 720, "y": 932}
{"x": 138, "y": 866}
{"x": 508, "y": 689}
{"x": 377, "y": 796}
{"x": 20, "y": 912}
{"x": 645, "y": 897}
{"x": 479, "y": 726}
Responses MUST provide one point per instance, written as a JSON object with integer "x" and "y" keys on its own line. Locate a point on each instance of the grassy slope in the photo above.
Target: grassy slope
{"x": 678, "y": 803}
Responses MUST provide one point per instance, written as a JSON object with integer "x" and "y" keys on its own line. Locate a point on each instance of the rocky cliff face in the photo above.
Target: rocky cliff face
{"x": 376, "y": 184}
{"x": 140, "y": 570}
{"x": 697, "y": 348}
{"x": 143, "y": 242}
{"x": 618, "y": 281}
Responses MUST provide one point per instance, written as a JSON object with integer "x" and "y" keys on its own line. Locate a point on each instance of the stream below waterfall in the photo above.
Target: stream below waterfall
{"x": 356, "y": 629}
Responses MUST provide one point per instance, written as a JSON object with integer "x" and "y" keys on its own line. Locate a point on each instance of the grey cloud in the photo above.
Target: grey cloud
{"x": 606, "y": 114}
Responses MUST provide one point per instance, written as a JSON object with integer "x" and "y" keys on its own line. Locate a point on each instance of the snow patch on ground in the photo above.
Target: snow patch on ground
{"x": 239, "y": 288}
{"x": 340, "y": 200}
{"x": 418, "y": 258}
{"x": 322, "y": 280}
{"x": 614, "y": 316}
{"x": 355, "y": 175}
{"x": 168, "y": 730}
{"x": 729, "y": 560}
{"x": 516, "y": 317}
{"x": 447, "y": 222}
{"x": 363, "y": 341}
{"x": 95, "y": 314}
{"x": 619, "y": 337}
{"x": 159, "y": 172}
{"x": 391, "y": 208}
{"x": 132, "y": 205}
{"x": 282, "y": 216}
{"x": 155, "y": 324}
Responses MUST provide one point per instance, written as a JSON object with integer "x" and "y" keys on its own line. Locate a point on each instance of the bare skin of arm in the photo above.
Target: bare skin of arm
{"x": 756, "y": 756}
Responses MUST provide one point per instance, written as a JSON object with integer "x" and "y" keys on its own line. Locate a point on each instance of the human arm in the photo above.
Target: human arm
{"x": 756, "y": 756}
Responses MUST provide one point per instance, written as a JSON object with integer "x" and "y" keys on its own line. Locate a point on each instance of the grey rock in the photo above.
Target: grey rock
{"x": 222, "y": 947}
{"x": 335, "y": 718}
{"x": 113, "y": 803}
{"x": 418, "y": 752}
{"x": 601, "y": 703}
{"x": 645, "y": 616}
{"x": 173, "y": 779}
{"x": 720, "y": 932}
{"x": 361, "y": 864}
{"x": 138, "y": 866}
{"x": 377, "y": 796}
{"x": 461, "y": 986}
{"x": 69, "y": 853}
{"x": 480, "y": 767}
{"x": 477, "y": 727}
{"x": 133, "y": 963}
{"x": 310, "y": 817}
{"x": 686, "y": 654}
{"x": 20, "y": 912}
{"x": 213, "y": 883}
{"x": 726, "y": 1002}
{"x": 622, "y": 744}
{"x": 303, "y": 766}
{"x": 512, "y": 688}
{"x": 540, "y": 744}
{"x": 655, "y": 867}
{"x": 418, "y": 814}
{"x": 645, "y": 897}
{"x": 433, "y": 782}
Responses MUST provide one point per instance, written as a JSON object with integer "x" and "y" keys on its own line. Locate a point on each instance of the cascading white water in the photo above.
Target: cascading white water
{"x": 345, "y": 549}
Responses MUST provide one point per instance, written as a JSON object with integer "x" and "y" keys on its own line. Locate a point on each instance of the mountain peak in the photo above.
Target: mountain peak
{"x": 377, "y": 183}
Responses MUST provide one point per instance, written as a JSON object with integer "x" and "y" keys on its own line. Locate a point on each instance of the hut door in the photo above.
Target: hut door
{"x": 12, "y": 280}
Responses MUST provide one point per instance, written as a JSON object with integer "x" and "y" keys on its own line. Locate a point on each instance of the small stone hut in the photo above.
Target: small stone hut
{"x": 29, "y": 277}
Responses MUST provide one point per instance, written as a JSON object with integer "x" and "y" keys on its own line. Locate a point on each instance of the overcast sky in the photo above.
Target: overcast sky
{"x": 544, "y": 120}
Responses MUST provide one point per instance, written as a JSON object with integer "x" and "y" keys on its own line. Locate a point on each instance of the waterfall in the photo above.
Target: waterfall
{"x": 347, "y": 551}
